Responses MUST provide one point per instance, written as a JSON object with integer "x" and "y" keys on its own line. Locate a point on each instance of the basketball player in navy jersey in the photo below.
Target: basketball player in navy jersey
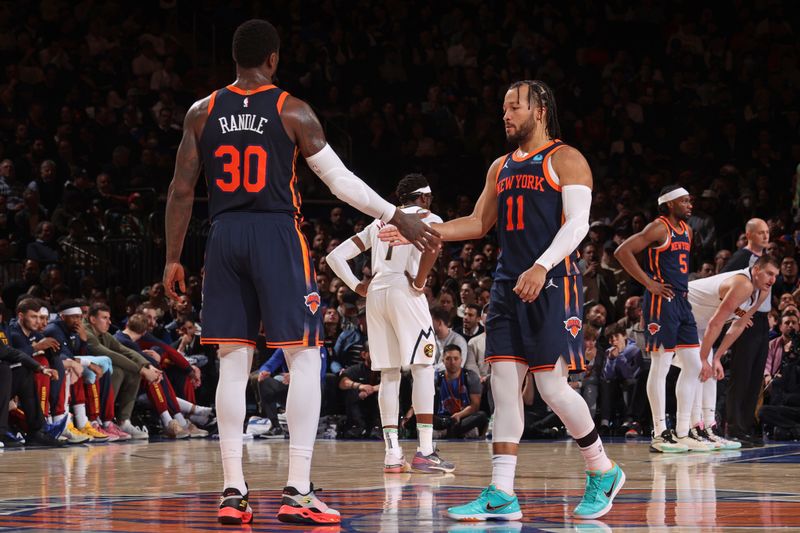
{"x": 539, "y": 196}
{"x": 670, "y": 328}
{"x": 258, "y": 269}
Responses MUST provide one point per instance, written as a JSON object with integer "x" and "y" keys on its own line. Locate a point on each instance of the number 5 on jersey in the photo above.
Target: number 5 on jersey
{"x": 233, "y": 168}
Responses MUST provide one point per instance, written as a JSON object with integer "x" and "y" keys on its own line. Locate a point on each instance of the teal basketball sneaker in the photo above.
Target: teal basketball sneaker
{"x": 492, "y": 504}
{"x": 598, "y": 497}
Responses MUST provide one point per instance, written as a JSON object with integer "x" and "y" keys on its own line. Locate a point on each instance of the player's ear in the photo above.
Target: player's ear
{"x": 272, "y": 61}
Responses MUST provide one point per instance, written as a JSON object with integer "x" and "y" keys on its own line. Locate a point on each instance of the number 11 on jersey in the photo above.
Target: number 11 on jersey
{"x": 520, "y": 201}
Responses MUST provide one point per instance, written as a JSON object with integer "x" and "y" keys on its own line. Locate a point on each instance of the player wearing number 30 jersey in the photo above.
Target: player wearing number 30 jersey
{"x": 257, "y": 269}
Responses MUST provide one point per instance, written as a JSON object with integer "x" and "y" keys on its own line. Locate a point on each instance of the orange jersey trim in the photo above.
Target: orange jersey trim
{"x": 670, "y": 226}
{"x": 687, "y": 346}
{"x": 500, "y": 169}
{"x": 515, "y": 358}
{"x": 543, "y": 147}
{"x": 211, "y": 101}
{"x": 292, "y": 344}
{"x": 281, "y": 100}
{"x": 669, "y": 236}
{"x": 248, "y": 92}
{"x": 540, "y": 368}
{"x": 549, "y": 177}
{"x": 208, "y": 340}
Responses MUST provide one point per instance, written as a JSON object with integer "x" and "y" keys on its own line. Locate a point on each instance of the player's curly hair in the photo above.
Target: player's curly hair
{"x": 540, "y": 94}
{"x": 253, "y": 42}
{"x": 663, "y": 209}
{"x": 410, "y": 183}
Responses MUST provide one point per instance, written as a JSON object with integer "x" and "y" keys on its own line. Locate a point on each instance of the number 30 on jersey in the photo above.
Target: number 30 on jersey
{"x": 238, "y": 171}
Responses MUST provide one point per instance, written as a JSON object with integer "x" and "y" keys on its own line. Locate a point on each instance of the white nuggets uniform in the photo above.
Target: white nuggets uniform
{"x": 398, "y": 320}
{"x": 704, "y": 297}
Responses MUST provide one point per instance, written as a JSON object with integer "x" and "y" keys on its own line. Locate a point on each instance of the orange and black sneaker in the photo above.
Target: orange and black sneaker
{"x": 234, "y": 509}
{"x": 306, "y": 508}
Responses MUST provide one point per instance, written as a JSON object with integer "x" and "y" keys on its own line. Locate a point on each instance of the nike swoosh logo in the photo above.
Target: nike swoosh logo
{"x": 609, "y": 491}
{"x": 492, "y": 508}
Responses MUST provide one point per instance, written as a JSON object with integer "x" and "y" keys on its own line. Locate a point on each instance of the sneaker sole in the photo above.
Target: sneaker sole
{"x": 656, "y": 450}
{"x": 608, "y": 507}
{"x": 233, "y": 517}
{"x": 299, "y": 515}
{"x": 396, "y": 469}
{"x": 433, "y": 469}
{"x": 482, "y": 517}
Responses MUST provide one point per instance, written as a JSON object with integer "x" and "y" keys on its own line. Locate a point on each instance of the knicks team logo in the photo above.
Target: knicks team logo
{"x": 653, "y": 328}
{"x": 312, "y": 302}
{"x": 573, "y": 324}
{"x": 428, "y": 350}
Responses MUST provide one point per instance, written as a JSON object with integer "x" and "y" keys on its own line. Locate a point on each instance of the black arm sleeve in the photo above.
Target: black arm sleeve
{"x": 12, "y": 356}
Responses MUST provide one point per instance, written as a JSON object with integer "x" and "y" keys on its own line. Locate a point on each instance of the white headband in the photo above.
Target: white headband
{"x": 44, "y": 311}
{"x": 672, "y": 195}
{"x": 71, "y": 311}
{"x": 422, "y": 190}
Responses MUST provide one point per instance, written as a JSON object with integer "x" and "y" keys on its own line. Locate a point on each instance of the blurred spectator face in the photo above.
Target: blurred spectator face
{"x": 721, "y": 259}
{"x": 340, "y": 294}
{"x": 789, "y": 325}
{"x": 452, "y": 361}
{"x": 774, "y": 250}
{"x": 633, "y": 309}
{"x": 789, "y": 268}
{"x": 331, "y": 316}
{"x": 478, "y": 263}
{"x": 31, "y": 199}
{"x": 336, "y": 216}
{"x": 188, "y": 328}
{"x": 589, "y": 347}
{"x": 466, "y": 253}
{"x": 359, "y": 225}
{"x": 322, "y": 283}
{"x": 323, "y": 266}
{"x": 470, "y": 318}
{"x": 590, "y": 254}
{"x": 152, "y": 317}
{"x": 332, "y": 245}
{"x": 619, "y": 342}
{"x": 47, "y": 170}
{"x": 455, "y": 269}
{"x": 46, "y": 232}
{"x": 7, "y": 169}
{"x": 785, "y": 301}
{"x": 446, "y": 302}
{"x": 597, "y": 316}
{"x": 484, "y": 297}
{"x": 333, "y": 286}
{"x": 791, "y": 309}
{"x": 706, "y": 270}
{"x": 318, "y": 242}
{"x": 30, "y": 272}
{"x": 638, "y": 223}
{"x": 182, "y": 305}
{"x": 467, "y": 294}
{"x": 29, "y": 320}
{"x": 741, "y": 242}
{"x": 157, "y": 291}
{"x": 101, "y": 321}
{"x": 489, "y": 251}
{"x": 54, "y": 277}
{"x": 104, "y": 183}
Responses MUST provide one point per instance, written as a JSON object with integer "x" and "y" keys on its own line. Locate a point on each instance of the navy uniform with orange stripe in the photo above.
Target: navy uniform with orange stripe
{"x": 670, "y": 323}
{"x": 529, "y": 214}
{"x": 257, "y": 264}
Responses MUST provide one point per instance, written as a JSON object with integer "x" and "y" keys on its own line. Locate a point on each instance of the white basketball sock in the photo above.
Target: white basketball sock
{"x": 166, "y": 418}
{"x": 302, "y": 412}
{"x": 422, "y": 399}
{"x": 686, "y": 387}
{"x": 503, "y": 469}
{"x": 80, "y": 415}
{"x": 234, "y": 370}
{"x": 660, "y": 362}
{"x": 709, "y": 391}
{"x": 182, "y": 421}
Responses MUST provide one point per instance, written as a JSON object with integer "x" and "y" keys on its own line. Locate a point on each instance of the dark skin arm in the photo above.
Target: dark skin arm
{"x": 654, "y": 234}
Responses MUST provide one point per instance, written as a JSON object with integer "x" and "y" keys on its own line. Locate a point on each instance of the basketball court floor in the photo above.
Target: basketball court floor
{"x": 174, "y": 486}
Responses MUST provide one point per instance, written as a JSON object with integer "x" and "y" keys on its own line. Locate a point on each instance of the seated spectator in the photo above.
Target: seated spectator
{"x": 458, "y": 398}
{"x": 617, "y": 382}
{"x": 44, "y": 249}
{"x": 445, "y": 336}
{"x": 788, "y": 280}
{"x": 632, "y": 321}
{"x": 781, "y": 411}
{"x": 471, "y": 322}
{"x": 362, "y": 384}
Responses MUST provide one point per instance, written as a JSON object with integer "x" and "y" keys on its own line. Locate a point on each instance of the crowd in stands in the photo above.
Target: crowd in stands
{"x": 92, "y": 97}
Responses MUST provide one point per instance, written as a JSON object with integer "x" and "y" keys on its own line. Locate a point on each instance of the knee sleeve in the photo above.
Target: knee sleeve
{"x": 565, "y": 402}
{"x": 509, "y": 420}
{"x": 305, "y": 395}
{"x": 389, "y": 396}
{"x": 423, "y": 392}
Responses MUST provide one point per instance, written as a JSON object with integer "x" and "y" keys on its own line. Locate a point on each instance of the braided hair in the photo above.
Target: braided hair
{"x": 407, "y": 186}
{"x": 541, "y": 95}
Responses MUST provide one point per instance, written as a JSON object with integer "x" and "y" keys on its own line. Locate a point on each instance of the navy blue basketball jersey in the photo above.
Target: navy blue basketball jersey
{"x": 669, "y": 263}
{"x": 529, "y": 213}
{"x": 249, "y": 159}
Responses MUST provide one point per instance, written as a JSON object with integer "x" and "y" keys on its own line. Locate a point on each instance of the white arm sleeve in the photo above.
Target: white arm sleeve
{"x": 347, "y": 187}
{"x": 338, "y": 258}
{"x": 577, "y": 200}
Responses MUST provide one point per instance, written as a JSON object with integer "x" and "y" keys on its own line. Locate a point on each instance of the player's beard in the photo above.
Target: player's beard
{"x": 523, "y": 132}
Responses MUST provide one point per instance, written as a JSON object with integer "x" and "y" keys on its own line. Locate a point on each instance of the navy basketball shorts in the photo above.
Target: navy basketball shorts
{"x": 668, "y": 323}
{"x": 258, "y": 271}
{"x": 540, "y": 332}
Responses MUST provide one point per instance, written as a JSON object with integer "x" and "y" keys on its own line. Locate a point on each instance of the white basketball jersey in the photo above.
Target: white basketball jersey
{"x": 704, "y": 297}
{"x": 390, "y": 263}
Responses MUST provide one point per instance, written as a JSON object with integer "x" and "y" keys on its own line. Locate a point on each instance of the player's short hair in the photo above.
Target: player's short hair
{"x": 540, "y": 94}
{"x": 408, "y": 184}
{"x": 29, "y": 304}
{"x": 452, "y": 348}
{"x": 663, "y": 209}
{"x": 253, "y": 42}
{"x": 97, "y": 307}
{"x": 138, "y": 323}
{"x": 765, "y": 260}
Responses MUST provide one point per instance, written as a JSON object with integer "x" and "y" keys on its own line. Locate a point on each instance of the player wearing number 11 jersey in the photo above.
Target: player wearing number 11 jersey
{"x": 257, "y": 269}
